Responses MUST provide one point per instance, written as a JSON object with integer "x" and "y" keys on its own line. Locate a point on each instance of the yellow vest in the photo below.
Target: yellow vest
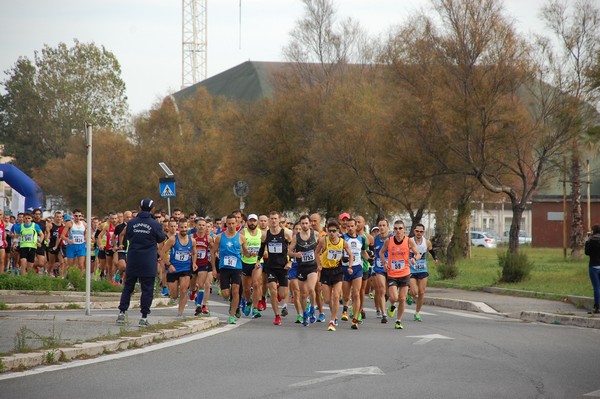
{"x": 330, "y": 258}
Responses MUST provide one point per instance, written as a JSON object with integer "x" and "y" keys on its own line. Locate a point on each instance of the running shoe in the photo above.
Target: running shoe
{"x": 255, "y": 313}
{"x": 121, "y": 318}
{"x": 336, "y": 322}
{"x": 171, "y": 302}
{"x": 409, "y": 299}
{"x": 247, "y": 309}
{"x": 238, "y": 313}
{"x": 331, "y": 326}
{"x": 192, "y": 295}
{"x": 390, "y": 311}
{"x": 354, "y": 325}
{"x": 277, "y": 320}
{"x": 398, "y": 325}
{"x": 262, "y": 305}
{"x": 321, "y": 317}
{"x": 360, "y": 318}
{"x": 231, "y": 320}
{"x": 371, "y": 295}
{"x": 351, "y": 311}
{"x": 179, "y": 315}
{"x": 299, "y": 319}
{"x": 363, "y": 315}
{"x": 417, "y": 317}
{"x": 143, "y": 323}
{"x": 305, "y": 319}
{"x": 243, "y": 303}
{"x": 284, "y": 311}
{"x": 345, "y": 316}
{"x": 379, "y": 314}
{"x": 383, "y": 319}
{"x": 205, "y": 311}
{"x": 165, "y": 291}
{"x": 311, "y": 314}
{"x": 198, "y": 310}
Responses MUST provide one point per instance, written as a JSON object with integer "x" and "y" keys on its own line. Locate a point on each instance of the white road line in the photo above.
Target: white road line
{"x": 467, "y": 315}
{"x": 595, "y": 394}
{"x": 120, "y": 355}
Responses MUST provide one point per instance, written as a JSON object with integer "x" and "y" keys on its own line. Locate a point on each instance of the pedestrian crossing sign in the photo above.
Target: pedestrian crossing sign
{"x": 167, "y": 187}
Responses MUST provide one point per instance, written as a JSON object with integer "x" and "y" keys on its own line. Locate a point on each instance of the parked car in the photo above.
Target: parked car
{"x": 483, "y": 239}
{"x": 523, "y": 237}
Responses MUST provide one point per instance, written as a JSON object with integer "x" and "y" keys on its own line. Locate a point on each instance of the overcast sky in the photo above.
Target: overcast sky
{"x": 145, "y": 35}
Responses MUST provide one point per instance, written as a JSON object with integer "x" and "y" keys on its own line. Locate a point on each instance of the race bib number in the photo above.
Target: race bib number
{"x": 201, "y": 253}
{"x": 253, "y": 249}
{"x": 182, "y": 256}
{"x": 27, "y": 238}
{"x": 421, "y": 265}
{"x": 334, "y": 254}
{"x": 308, "y": 256}
{"x": 275, "y": 248}
{"x": 230, "y": 261}
{"x": 398, "y": 264}
{"x": 78, "y": 240}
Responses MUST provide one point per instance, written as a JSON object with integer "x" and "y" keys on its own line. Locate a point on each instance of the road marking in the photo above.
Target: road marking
{"x": 485, "y": 308}
{"x": 371, "y": 370}
{"x": 427, "y": 338}
{"x": 121, "y": 355}
{"x": 468, "y": 315}
{"x": 594, "y": 394}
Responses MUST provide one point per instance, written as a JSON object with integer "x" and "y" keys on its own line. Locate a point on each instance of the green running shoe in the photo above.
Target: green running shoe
{"x": 409, "y": 299}
{"x": 299, "y": 319}
{"x": 398, "y": 325}
{"x": 231, "y": 320}
{"x": 390, "y": 311}
{"x": 417, "y": 317}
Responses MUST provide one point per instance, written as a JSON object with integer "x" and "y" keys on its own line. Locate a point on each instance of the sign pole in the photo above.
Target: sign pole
{"x": 88, "y": 257}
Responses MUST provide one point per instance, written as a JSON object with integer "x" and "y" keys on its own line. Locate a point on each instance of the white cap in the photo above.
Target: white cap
{"x": 252, "y": 216}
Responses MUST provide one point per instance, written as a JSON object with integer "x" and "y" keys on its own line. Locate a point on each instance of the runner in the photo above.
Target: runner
{"x": 329, "y": 255}
{"x": 121, "y": 245}
{"x": 276, "y": 241}
{"x": 379, "y": 269}
{"x": 293, "y": 279}
{"x": 353, "y": 272}
{"x": 106, "y": 254}
{"x": 418, "y": 271}
{"x": 303, "y": 246}
{"x": 204, "y": 243}
{"x": 3, "y": 243}
{"x": 181, "y": 250}
{"x": 398, "y": 272}
{"x": 40, "y": 254}
{"x": 228, "y": 248}
{"x": 54, "y": 255}
{"x": 366, "y": 262}
{"x": 251, "y": 270}
{"x": 30, "y": 237}
{"x": 73, "y": 234}
{"x": 263, "y": 225}
{"x": 315, "y": 225}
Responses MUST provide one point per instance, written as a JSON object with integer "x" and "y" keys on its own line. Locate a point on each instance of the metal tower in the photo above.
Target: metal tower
{"x": 194, "y": 38}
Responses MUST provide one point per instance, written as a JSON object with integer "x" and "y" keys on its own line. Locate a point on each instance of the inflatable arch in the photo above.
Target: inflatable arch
{"x": 23, "y": 184}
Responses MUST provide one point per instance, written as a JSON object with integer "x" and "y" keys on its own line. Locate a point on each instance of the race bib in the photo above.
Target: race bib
{"x": 202, "y": 254}
{"x": 308, "y": 256}
{"x": 421, "y": 265}
{"x": 27, "y": 238}
{"x": 230, "y": 261}
{"x": 275, "y": 248}
{"x": 334, "y": 254}
{"x": 78, "y": 240}
{"x": 182, "y": 256}
{"x": 398, "y": 264}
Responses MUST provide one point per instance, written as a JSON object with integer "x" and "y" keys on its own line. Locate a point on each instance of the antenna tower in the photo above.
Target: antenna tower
{"x": 194, "y": 37}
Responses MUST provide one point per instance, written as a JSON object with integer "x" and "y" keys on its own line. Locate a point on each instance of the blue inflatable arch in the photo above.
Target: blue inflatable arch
{"x": 23, "y": 184}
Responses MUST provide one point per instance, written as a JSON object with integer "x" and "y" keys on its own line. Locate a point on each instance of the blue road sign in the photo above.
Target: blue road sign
{"x": 167, "y": 187}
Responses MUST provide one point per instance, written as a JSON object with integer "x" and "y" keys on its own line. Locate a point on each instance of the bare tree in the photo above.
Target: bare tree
{"x": 576, "y": 28}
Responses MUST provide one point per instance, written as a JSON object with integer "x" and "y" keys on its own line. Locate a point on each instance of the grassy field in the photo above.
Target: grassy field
{"x": 551, "y": 273}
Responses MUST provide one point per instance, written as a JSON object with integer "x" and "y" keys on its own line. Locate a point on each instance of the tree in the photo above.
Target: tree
{"x": 576, "y": 26}
{"x": 48, "y": 99}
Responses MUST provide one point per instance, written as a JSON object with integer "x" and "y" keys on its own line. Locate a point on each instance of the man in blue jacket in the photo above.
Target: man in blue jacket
{"x": 144, "y": 234}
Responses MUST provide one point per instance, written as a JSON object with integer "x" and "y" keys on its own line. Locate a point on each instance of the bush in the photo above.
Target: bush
{"x": 31, "y": 281}
{"x": 75, "y": 277}
{"x": 515, "y": 267}
{"x": 447, "y": 271}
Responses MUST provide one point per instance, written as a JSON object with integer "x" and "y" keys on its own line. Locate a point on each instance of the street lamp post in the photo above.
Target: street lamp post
{"x": 88, "y": 258}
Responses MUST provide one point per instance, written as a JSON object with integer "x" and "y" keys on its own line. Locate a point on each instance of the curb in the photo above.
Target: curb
{"x": 80, "y": 305}
{"x": 90, "y": 349}
{"x": 469, "y": 306}
{"x": 551, "y": 318}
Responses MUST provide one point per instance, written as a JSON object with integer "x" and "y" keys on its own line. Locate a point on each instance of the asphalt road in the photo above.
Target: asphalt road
{"x": 451, "y": 354}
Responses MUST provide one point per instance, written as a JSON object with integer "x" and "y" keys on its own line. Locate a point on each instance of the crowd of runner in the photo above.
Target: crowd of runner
{"x": 302, "y": 264}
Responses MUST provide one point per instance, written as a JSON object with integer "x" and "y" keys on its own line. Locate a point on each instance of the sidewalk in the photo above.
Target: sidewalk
{"x": 29, "y": 321}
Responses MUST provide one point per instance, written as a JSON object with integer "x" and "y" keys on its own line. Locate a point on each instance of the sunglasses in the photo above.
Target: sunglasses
{"x": 419, "y": 231}
{"x": 332, "y": 231}
{"x": 398, "y": 228}
{"x": 77, "y": 216}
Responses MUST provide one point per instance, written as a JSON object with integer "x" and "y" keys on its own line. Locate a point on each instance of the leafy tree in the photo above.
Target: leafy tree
{"x": 48, "y": 99}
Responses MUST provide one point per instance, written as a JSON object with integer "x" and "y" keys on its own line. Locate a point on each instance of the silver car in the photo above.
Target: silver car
{"x": 483, "y": 239}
